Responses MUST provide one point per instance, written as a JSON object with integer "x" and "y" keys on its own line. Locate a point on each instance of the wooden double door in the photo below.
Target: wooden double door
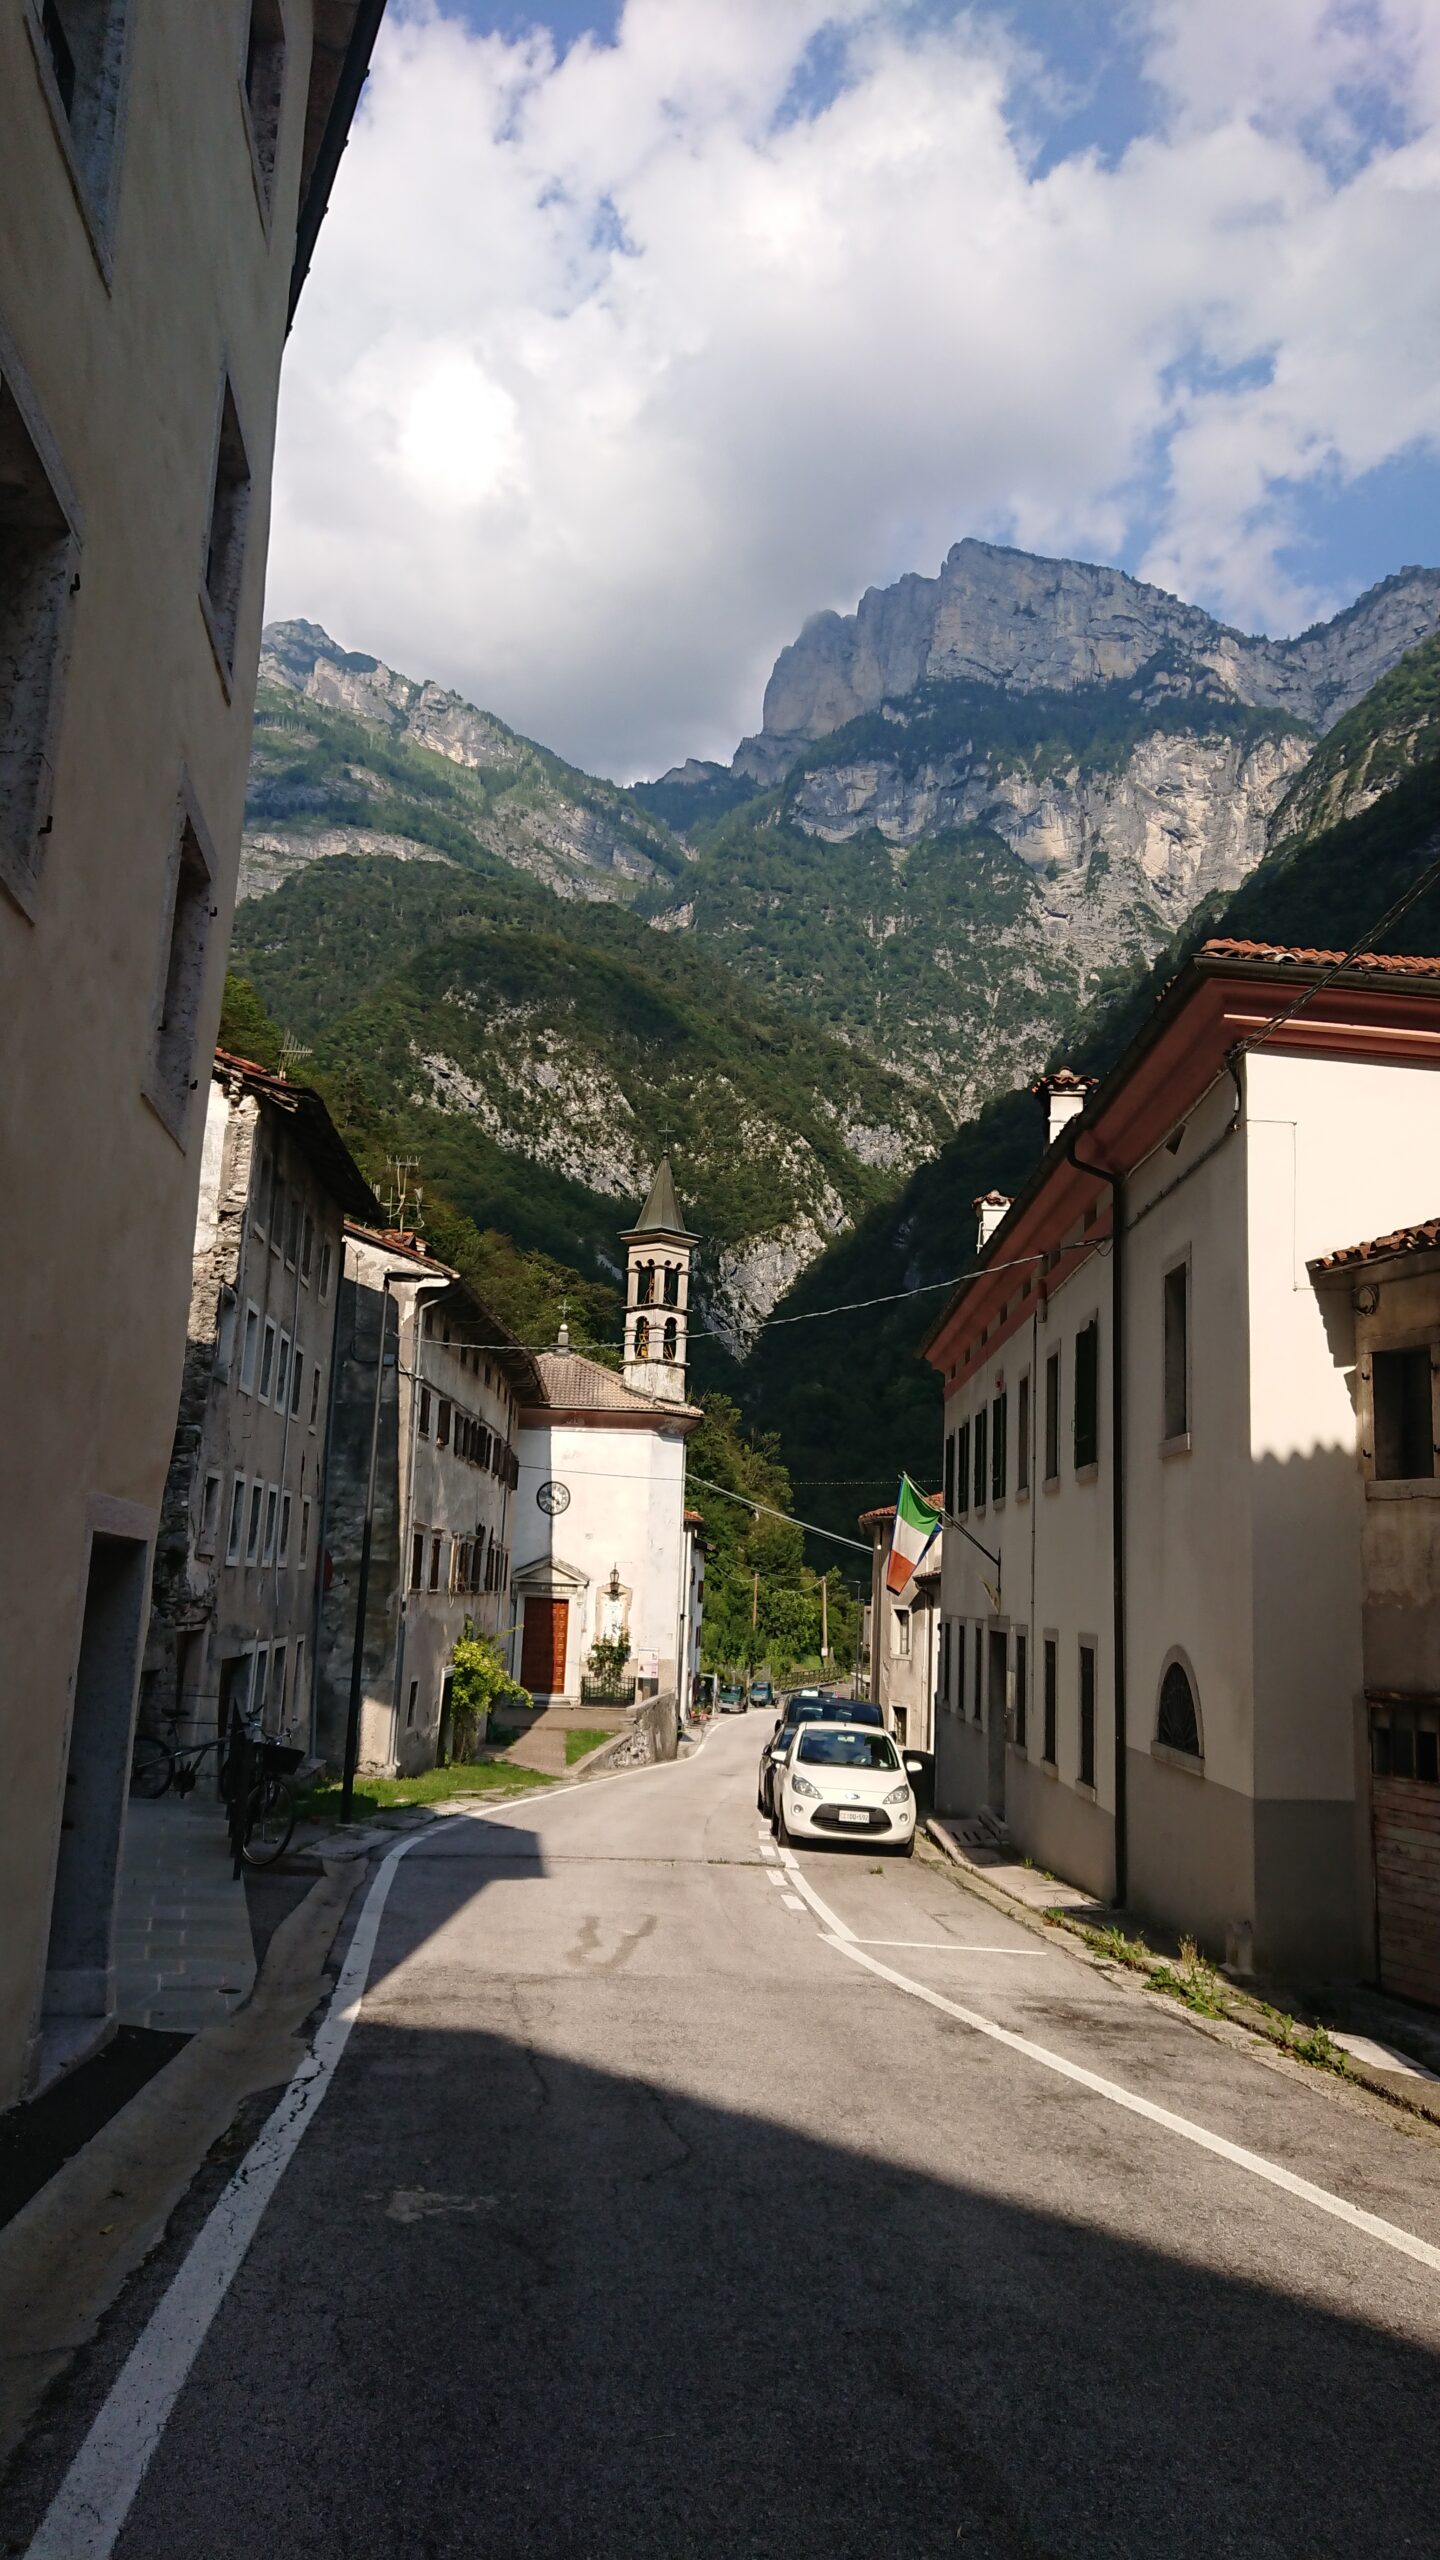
{"x": 543, "y": 1643}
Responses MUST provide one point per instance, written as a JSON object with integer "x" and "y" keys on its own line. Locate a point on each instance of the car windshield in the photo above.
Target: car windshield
{"x": 855, "y": 1748}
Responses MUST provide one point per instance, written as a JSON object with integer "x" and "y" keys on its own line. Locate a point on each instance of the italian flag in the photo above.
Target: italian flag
{"x": 916, "y": 1526}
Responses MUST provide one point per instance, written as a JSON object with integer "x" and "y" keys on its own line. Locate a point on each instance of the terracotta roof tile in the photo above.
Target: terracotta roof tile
{"x": 568, "y": 1379}
{"x": 1391, "y": 964}
{"x": 1423, "y": 1238}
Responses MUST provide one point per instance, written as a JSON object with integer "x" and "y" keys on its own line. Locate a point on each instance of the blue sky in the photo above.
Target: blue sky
{"x": 620, "y": 359}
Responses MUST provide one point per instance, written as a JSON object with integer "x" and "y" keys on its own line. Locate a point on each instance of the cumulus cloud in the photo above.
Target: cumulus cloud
{"x": 613, "y": 366}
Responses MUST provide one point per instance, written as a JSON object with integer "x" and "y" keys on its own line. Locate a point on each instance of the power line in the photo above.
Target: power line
{"x": 750, "y": 1504}
{"x": 1363, "y": 947}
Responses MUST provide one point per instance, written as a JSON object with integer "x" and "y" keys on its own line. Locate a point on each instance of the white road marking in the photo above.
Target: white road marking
{"x": 768, "y": 1849}
{"x": 792, "y": 1901}
{"x": 950, "y": 1947}
{"x": 88, "y": 2512}
{"x": 1252, "y": 2162}
{"x": 837, "y": 1927}
{"x": 773, "y": 1875}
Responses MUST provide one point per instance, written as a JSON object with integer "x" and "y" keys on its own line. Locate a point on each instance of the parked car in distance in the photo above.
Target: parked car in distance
{"x": 804, "y": 1706}
{"x": 762, "y": 1693}
{"x": 731, "y": 1701}
{"x": 844, "y": 1781}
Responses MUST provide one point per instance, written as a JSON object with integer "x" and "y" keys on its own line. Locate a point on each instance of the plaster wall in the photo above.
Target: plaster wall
{"x": 115, "y": 334}
{"x": 903, "y": 1672}
{"x": 627, "y": 1498}
{"x": 1401, "y": 1518}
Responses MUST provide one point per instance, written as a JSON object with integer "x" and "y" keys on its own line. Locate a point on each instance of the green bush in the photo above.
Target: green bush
{"x": 480, "y": 1682}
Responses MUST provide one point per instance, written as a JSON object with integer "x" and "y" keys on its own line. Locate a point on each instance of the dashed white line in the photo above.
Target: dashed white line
{"x": 792, "y": 1901}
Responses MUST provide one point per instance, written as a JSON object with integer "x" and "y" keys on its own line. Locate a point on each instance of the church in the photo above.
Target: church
{"x": 602, "y": 1545}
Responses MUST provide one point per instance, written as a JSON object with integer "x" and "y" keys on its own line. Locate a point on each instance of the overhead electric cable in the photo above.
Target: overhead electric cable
{"x": 1365, "y": 944}
{"x": 750, "y": 1504}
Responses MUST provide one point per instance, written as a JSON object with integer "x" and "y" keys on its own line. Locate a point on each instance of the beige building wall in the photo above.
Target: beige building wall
{"x": 904, "y": 1641}
{"x": 146, "y": 252}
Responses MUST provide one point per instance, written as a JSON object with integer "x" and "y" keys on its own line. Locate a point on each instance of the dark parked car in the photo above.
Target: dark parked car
{"x": 762, "y": 1693}
{"x": 731, "y": 1701}
{"x": 802, "y": 1707}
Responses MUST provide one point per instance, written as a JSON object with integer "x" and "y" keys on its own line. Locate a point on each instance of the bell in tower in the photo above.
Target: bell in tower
{"x": 658, "y": 1251}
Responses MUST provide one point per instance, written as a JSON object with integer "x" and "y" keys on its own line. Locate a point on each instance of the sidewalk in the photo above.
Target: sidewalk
{"x": 1388, "y": 2046}
{"x": 184, "y": 1953}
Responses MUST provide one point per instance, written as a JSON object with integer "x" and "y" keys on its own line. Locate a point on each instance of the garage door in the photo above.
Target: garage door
{"x": 1405, "y": 1815}
{"x": 542, "y": 1647}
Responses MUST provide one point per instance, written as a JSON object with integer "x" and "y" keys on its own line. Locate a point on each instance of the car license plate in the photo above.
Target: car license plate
{"x": 847, "y": 1816}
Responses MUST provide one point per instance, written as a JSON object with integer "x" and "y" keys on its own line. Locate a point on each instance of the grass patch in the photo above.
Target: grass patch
{"x": 321, "y": 1803}
{"x": 587, "y": 1739}
{"x": 1195, "y": 1984}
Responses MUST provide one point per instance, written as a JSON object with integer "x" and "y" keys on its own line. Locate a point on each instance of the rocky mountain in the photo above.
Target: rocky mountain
{"x": 981, "y": 794}
{"x": 1358, "y": 828}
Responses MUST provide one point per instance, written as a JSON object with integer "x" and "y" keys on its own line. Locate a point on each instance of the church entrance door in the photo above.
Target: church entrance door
{"x": 542, "y": 1647}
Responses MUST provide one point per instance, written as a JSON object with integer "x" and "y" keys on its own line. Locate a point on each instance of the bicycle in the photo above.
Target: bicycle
{"x": 255, "y": 1784}
{"x": 157, "y": 1765}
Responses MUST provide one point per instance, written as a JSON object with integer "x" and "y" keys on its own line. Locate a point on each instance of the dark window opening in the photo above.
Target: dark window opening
{"x": 417, "y": 1558}
{"x": 1052, "y": 1417}
{"x": 62, "y": 59}
{"x": 1087, "y": 1715}
{"x": 189, "y": 938}
{"x": 36, "y": 568}
{"x": 1087, "y": 1395}
{"x": 1178, "y": 1724}
{"x": 442, "y": 1424}
{"x": 999, "y": 1419}
{"x": 950, "y": 1471}
{"x": 962, "y": 1468}
{"x": 1404, "y": 1421}
{"x": 424, "y": 1425}
{"x": 644, "y": 1284}
{"x": 1405, "y": 1743}
{"x": 1177, "y": 1353}
{"x": 1022, "y": 1436}
{"x": 1051, "y": 1699}
{"x": 977, "y": 1705}
{"x": 265, "y": 83}
{"x": 229, "y": 516}
{"x": 1022, "y": 1688}
{"x": 671, "y": 1342}
{"x": 982, "y": 1456}
{"x": 672, "y": 1285}
{"x": 85, "y": 47}
{"x": 642, "y": 1337}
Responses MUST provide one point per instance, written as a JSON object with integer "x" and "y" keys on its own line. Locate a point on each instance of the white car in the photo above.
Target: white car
{"x": 845, "y": 1782}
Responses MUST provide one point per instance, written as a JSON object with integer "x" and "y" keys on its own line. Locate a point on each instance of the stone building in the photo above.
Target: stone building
{"x": 1158, "y": 1637}
{"x": 452, "y": 1388}
{"x": 236, "y": 1561}
{"x": 903, "y": 1631}
{"x": 164, "y": 169}
{"x": 602, "y": 1547}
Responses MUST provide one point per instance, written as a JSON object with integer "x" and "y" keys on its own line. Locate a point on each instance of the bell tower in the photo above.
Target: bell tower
{"x": 658, "y": 1251}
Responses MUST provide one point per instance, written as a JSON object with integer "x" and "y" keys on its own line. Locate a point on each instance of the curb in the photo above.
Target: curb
{"x": 1231, "y": 2028}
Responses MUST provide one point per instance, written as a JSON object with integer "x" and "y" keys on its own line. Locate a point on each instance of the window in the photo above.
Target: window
{"x": 902, "y": 1632}
{"x": 225, "y": 1333}
{"x": 1087, "y": 1394}
{"x": 1022, "y": 1435}
{"x": 326, "y": 1260}
{"x": 1175, "y": 1421}
{"x": 642, "y": 1337}
{"x": 282, "y": 1373}
{"x": 277, "y": 1217}
{"x": 945, "y": 1660}
{"x": 295, "y": 1377}
{"x": 249, "y": 1348}
{"x": 225, "y": 544}
{"x": 644, "y": 1284}
{"x": 977, "y": 1699}
{"x": 260, "y": 1684}
{"x": 284, "y": 1528}
{"x": 1086, "y": 1771}
{"x": 950, "y": 1471}
{"x": 1051, "y": 1701}
{"x": 436, "y": 1544}
{"x": 267, "y": 1360}
{"x": 962, "y": 1468}
{"x": 670, "y": 1342}
{"x": 39, "y": 555}
{"x": 424, "y": 1425}
{"x": 982, "y": 1456}
{"x": 292, "y": 1236}
{"x": 1177, "y": 1724}
{"x": 298, "y": 1700}
{"x": 442, "y": 1424}
{"x": 305, "y": 1529}
{"x": 82, "y": 44}
{"x": 417, "y": 1558}
{"x": 264, "y": 1193}
{"x": 1052, "y": 1419}
{"x": 1022, "y": 1689}
{"x": 278, "y": 1656}
{"x": 999, "y": 1417}
{"x": 190, "y": 914}
{"x": 958, "y": 1696}
{"x": 264, "y": 87}
{"x": 1404, "y": 1414}
{"x": 410, "y": 1702}
{"x": 314, "y": 1392}
{"x": 209, "y": 1516}
{"x": 252, "y": 1533}
{"x": 307, "y": 1248}
{"x": 672, "y": 1285}
{"x": 237, "y": 1521}
{"x": 272, "y": 1505}
{"x": 1405, "y": 1743}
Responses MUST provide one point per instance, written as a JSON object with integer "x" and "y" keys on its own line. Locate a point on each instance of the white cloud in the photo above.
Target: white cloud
{"x": 613, "y": 368}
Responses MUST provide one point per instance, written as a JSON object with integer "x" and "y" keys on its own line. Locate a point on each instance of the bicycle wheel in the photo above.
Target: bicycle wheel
{"x": 152, "y": 1766}
{"x": 272, "y": 1819}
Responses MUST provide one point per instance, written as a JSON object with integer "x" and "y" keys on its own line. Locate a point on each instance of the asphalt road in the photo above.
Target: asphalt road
{"x": 644, "y": 2217}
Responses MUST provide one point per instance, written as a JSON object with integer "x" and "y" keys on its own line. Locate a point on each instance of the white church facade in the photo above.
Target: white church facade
{"x": 602, "y": 1546}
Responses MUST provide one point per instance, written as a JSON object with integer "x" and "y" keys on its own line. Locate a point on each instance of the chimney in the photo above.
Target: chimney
{"x": 1065, "y": 1095}
{"x": 989, "y": 1209}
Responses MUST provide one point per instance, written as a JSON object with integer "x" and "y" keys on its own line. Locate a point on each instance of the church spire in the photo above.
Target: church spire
{"x": 657, "y": 1293}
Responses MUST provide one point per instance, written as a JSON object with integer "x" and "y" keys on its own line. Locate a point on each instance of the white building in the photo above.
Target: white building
{"x": 903, "y": 1635}
{"x": 1153, "y": 1672}
{"x": 601, "y": 1545}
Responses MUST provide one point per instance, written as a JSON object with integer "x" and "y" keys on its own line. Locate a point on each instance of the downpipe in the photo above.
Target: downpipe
{"x": 1116, "y": 1184}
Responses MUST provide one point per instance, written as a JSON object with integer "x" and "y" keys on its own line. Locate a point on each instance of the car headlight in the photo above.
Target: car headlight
{"x": 802, "y": 1787}
{"x": 898, "y": 1795}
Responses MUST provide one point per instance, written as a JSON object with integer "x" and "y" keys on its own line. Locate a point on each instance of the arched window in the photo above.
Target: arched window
{"x": 644, "y": 1284}
{"x": 671, "y": 1337}
{"x": 1178, "y": 1723}
{"x": 642, "y": 1337}
{"x": 672, "y": 1284}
